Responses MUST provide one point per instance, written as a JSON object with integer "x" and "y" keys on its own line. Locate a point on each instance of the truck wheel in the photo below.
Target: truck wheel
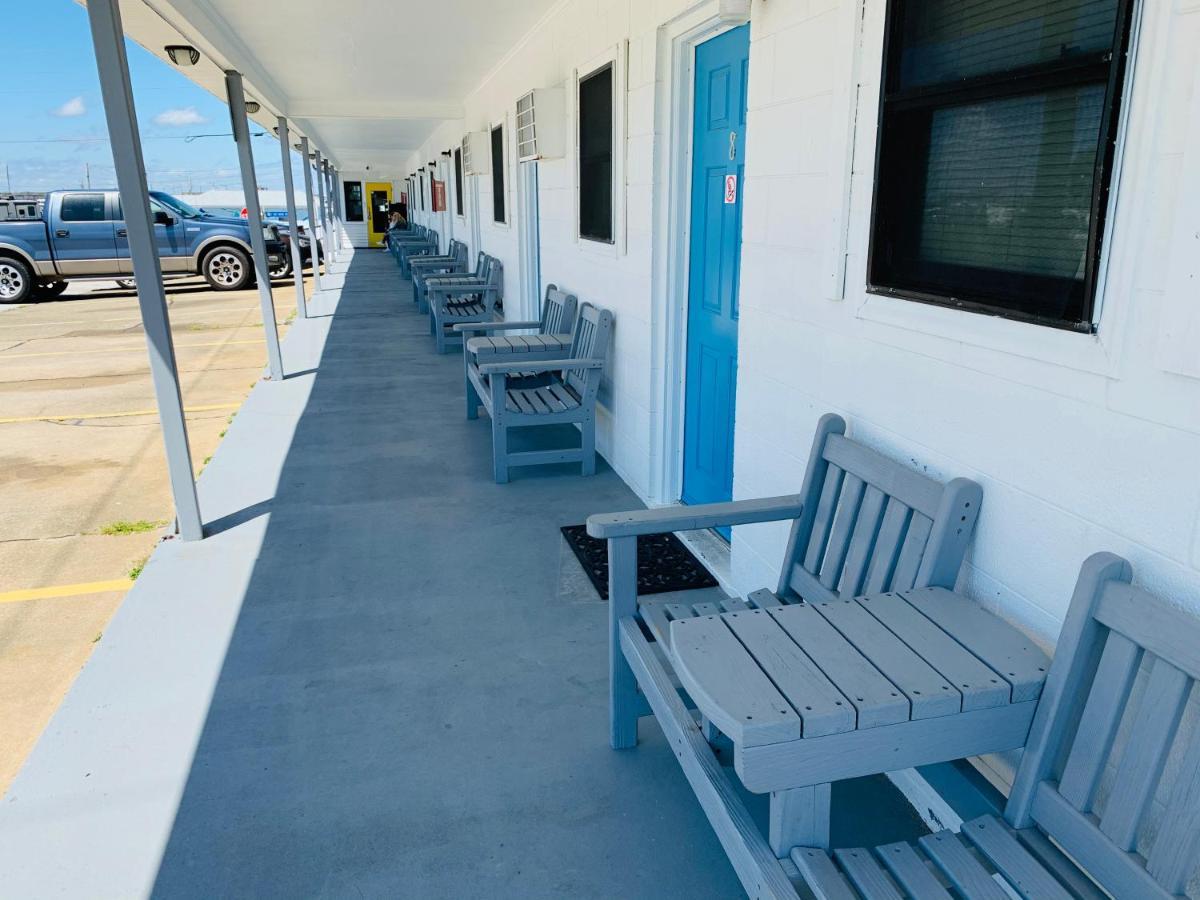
{"x": 16, "y": 281}
{"x": 48, "y": 289}
{"x": 126, "y": 284}
{"x": 226, "y": 268}
{"x": 284, "y": 269}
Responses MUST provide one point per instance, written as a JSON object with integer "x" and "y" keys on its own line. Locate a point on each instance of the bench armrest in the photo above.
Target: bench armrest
{"x": 495, "y": 326}
{"x": 694, "y": 518}
{"x": 539, "y": 365}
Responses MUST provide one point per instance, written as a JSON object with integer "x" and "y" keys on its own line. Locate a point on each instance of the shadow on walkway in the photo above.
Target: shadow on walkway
{"x": 413, "y": 700}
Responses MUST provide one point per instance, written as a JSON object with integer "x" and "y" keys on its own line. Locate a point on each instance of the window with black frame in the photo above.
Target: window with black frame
{"x": 498, "y": 212}
{"x": 997, "y": 130}
{"x": 458, "y": 181}
{"x": 353, "y": 192}
{"x": 595, "y": 155}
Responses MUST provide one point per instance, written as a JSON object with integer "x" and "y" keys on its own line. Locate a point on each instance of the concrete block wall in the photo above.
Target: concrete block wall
{"x": 575, "y": 38}
{"x": 1082, "y": 442}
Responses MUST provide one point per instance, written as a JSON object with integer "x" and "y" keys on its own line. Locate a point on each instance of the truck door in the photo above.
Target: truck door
{"x": 84, "y": 235}
{"x": 169, "y": 239}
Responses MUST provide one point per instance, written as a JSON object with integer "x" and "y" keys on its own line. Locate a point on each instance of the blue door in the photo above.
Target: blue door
{"x": 718, "y": 149}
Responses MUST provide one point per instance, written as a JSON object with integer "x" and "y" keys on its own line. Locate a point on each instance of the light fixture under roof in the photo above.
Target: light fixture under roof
{"x": 183, "y": 55}
{"x": 252, "y": 106}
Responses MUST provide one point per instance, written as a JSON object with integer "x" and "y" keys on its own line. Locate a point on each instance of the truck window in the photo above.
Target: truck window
{"x": 83, "y": 208}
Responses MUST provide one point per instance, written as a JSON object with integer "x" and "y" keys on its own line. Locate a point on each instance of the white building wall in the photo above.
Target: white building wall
{"x": 1081, "y": 442}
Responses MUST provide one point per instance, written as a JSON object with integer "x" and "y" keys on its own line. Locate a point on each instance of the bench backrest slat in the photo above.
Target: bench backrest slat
{"x": 1115, "y": 637}
{"x": 593, "y": 330}
{"x": 871, "y": 524}
{"x": 558, "y": 311}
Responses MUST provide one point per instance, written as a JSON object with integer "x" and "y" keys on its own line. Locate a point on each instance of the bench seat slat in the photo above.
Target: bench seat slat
{"x": 963, "y": 870}
{"x": 1013, "y": 861}
{"x": 929, "y": 694}
{"x": 1004, "y": 649}
{"x": 866, "y": 874}
{"x": 728, "y": 686}
{"x": 876, "y": 700}
{"x": 821, "y": 875}
{"x": 979, "y": 685}
{"x": 822, "y": 707}
{"x": 911, "y": 871}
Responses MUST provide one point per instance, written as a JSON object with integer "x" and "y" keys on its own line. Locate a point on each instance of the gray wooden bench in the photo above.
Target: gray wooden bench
{"x": 462, "y": 299}
{"x": 568, "y": 397}
{"x": 405, "y": 247}
{"x": 424, "y": 267}
{"x": 488, "y": 342}
{"x": 862, "y": 524}
{"x": 1062, "y": 836}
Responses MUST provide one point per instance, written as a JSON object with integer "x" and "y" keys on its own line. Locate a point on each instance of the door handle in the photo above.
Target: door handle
{"x": 62, "y": 232}
{"x": 121, "y": 232}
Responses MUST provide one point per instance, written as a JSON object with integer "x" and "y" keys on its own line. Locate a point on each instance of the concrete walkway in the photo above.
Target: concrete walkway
{"x": 383, "y": 675}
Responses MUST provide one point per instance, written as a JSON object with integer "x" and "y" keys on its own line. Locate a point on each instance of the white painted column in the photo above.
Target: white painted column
{"x": 285, "y": 148}
{"x": 319, "y": 171}
{"x": 312, "y": 214}
{"x": 262, "y": 269}
{"x": 108, "y": 39}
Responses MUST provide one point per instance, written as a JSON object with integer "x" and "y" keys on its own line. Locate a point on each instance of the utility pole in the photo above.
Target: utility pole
{"x": 87, "y": 169}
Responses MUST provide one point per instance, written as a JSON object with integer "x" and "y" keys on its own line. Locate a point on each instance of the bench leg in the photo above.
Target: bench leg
{"x": 499, "y": 385}
{"x": 623, "y": 700}
{"x": 589, "y": 445}
{"x": 710, "y": 731}
{"x": 472, "y": 394}
{"x": 799, "y": 818}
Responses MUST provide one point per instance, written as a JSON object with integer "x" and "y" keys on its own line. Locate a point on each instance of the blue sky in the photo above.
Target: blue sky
{"x": 54, "y": 129}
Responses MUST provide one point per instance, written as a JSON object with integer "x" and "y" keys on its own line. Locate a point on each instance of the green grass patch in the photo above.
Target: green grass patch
{"x": 137, "y": 568}
{"x": 123, "y": 527}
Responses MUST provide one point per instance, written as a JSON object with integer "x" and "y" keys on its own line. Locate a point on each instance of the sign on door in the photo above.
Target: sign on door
{"x": 731, "y": 189}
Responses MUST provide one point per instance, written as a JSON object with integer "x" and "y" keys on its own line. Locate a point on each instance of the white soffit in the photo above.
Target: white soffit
{"x": 366, "y": 80}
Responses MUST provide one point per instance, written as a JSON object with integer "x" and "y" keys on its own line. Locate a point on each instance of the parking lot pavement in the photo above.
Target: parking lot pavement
{"x": 81, "y": 454}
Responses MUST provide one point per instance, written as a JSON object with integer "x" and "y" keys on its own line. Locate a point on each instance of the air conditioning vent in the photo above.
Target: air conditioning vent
{"x": 476, "y": 153}
{"x": 540, "y": 125}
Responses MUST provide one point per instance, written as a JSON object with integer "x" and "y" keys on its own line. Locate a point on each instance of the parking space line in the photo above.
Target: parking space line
{"x": 212, "y": 407}
{"x": 66, "y": 590}
{"x": 4, "y": 356}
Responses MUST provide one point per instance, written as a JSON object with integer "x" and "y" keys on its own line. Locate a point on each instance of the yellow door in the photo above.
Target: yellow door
{"x": 379, "y": 198}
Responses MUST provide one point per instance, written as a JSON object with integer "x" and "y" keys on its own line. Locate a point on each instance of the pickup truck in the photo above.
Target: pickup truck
{"x": 81, "y": 236}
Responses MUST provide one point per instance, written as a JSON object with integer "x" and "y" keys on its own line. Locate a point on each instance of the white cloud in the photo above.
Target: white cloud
{"x": 177, "y": 118}
{"x": 72, "y": 108}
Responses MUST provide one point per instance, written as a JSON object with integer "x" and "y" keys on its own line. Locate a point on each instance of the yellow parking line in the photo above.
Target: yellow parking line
{"x": 66, "y": 590}
{"x": 4, "y": 356}
{"x": 117, "y": 415}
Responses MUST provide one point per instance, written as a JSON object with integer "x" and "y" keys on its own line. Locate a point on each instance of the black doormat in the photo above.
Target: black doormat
{"x": 663, "y": 562}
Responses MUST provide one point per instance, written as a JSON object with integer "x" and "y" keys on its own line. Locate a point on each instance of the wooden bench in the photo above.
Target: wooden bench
{"x": 1062, "y": 835}
{"x": 405, "y": 247}
{"x": 423, "y": 267}
{"x": 487, "y": 342}
{"x": 462, "y": 299}
{"x": 569, "y": 396}
{"x": 862, "y": 524}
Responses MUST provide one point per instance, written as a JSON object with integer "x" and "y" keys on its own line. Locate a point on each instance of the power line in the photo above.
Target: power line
{"x": 186, "y": 138}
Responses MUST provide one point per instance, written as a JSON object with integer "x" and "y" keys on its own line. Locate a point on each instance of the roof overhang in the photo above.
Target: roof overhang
{"x": 367, "y": 81}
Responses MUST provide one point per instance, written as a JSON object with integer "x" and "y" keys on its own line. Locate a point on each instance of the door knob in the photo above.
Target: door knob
{"x": 62, "y": 232}
{"x": 121, "y": 232}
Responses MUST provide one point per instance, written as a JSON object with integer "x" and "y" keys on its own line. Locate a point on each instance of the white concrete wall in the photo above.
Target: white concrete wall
{"x": 1081, "y": 442}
